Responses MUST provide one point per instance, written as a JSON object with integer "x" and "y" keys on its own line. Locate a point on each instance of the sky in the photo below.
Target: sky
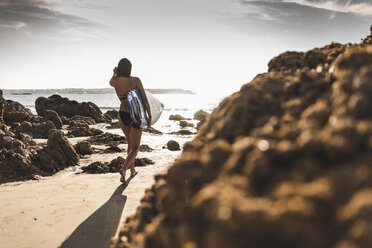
{"x": 208, "y": 46}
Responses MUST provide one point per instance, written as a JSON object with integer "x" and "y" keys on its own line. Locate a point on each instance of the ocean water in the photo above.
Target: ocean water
{"x": 183, "y": 104}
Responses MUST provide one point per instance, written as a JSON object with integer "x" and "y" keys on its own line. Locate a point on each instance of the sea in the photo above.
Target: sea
{"x": 182, "y": 102}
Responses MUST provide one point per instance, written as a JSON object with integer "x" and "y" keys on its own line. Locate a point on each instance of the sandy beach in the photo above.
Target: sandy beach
{"x": 73, "y": 209}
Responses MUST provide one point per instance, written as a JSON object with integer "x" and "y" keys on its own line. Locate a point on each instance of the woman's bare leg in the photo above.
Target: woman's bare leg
{"x": 135, "y": 137}
{"x": 126, "y": 130}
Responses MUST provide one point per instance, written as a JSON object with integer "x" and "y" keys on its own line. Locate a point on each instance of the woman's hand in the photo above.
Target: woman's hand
{"x": 115, "y": 71}
{"x": 150, "y": 118}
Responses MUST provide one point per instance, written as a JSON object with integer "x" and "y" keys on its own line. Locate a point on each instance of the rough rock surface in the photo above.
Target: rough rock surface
{"x": 152, "y": 130}
{"x": 182, "y": 132}
{"x": 112, "y": 113}
{"x": 15, "y": 112}
{"x": 53, "y": 117}
{"x": 83, "y": 148}
{"x": 114, "y": 166}
{"x": 58, "y": 154}
{"x": 107, "y": 139}
{"x": 284, "y": 162}
{"x": 173, "y": 145}
{"x": 64, "y": 107}
{"x": 113, "y": 149}
{"x": 16, "y": 155}
{"x": 2, "y": 106}
{"x": 185, "y": 124}
{"x": 38, "y": 130}
{"x": 201, "y": 116}
{"x": 177, "y": 118}
{"x": 145, "y": 148}
{"x": 21, "y": 158}
{"x": 82, "y": 131}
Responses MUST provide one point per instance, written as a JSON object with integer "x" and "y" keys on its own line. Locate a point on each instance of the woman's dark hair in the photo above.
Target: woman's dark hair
{"x": 124, "y": 68}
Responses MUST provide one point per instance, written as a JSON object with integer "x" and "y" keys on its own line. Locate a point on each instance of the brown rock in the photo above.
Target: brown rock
{"x": 152, "y": 130}
{"x": 15, "y": 112}
{"x": 83, "y": 148}
{"x": 58, "y": 154}
{"x": 36, "y": 130}
{"x": 173, "y": 145}
{"x": 177, "y": 118}
{"x": 184, "y": 124}
{"x": 283, "y": 162}
{"x": 114, "y": 166}
{"x": 67, "y": 108}
{"x": 112, "y": 113}
{"x": 53, "y": 117}
{"x": 107, "y": 139}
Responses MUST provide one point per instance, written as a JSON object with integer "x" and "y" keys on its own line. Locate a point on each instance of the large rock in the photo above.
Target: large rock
{"x": 53, "y": 117}
{"x": 58, "y": 154}
{"x": 284, "y": 162}
{"x": 64, "y": 107}
{"x": 39, "y": 130}
{"x": 15, "y": 112}
{"x": 16, "y": 153}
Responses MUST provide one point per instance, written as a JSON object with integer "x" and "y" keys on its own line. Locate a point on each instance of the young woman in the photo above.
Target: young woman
{"x": 123, "y": 82}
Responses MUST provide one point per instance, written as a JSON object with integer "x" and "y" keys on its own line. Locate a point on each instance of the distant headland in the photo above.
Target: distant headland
{"x": 87, "y": 91}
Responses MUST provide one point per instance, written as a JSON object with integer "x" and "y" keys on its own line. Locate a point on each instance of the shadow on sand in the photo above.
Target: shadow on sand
{"x": 98, "y": 229}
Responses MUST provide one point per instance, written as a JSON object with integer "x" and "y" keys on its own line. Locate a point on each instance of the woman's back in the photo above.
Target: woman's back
{"x": 122, "y": 86}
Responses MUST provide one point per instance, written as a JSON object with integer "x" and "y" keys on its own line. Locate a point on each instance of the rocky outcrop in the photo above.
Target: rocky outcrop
{"x": 182, "y": 132}
{"x": 21, "y": 158}
{"x": 201, "y": 116}
{"x": 53, "y": 117}
{"x": 152, "y": 130}
{"x": 37, "y": 130}
{"x": 83, "y": 131}
{"x": 184, "y": 124}
{"x": 58, "y": 154}
{"x": 114, "y": 166}
{"x": 107, "y": 139}
{"x": 284, "y": 162}
{"x": 177, "y": 118}
{"x": 112, "y": 113}
{"x": 15, "y": 112}
{"x": 64, "y": 107}
{"x": 16, "y": 154}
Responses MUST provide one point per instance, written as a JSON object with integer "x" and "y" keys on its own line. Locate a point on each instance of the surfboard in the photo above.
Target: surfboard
{"x": 137, "y": 108}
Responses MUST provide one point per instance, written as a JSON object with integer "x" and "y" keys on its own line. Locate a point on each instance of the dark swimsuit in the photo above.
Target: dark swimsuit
{"x": 125, "y": 117}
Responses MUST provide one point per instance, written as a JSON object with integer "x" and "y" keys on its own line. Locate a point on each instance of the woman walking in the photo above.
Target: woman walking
{"x": 123, "y": 82}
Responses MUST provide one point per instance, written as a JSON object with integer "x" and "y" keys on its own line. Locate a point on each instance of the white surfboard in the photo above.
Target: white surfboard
{"x": 156, "y": 107}
{"x": 138, "y": 110}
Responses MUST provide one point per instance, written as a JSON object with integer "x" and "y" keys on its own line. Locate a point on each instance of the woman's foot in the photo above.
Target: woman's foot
{"x": 122, "y": 175}
{"x": 133, "y": 173}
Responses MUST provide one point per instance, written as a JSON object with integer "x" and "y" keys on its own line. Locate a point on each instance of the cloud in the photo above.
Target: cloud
{"x": 358, "y": 7}
{"x": 282, "y": 22}
{"x": 37, "y": 17}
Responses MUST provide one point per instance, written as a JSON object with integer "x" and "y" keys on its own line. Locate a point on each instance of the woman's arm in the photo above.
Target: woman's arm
{"x": 112, "y": 80}
{"x": 145, "y": 101}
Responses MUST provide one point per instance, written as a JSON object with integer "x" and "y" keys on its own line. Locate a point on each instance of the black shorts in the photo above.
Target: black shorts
{"x": 126, "y": 119}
